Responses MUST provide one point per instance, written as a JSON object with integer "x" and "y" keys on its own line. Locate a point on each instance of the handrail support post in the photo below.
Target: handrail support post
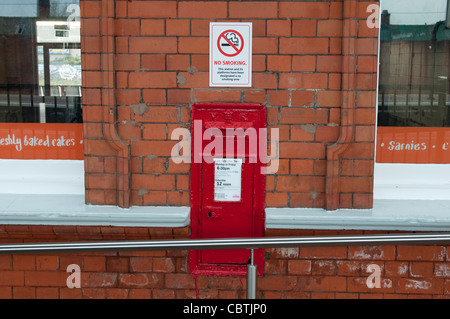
{"x": 252, "y": 271}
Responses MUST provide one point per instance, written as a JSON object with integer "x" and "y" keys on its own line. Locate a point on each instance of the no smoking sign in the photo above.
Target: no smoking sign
{"x": 230, "y": 54}
{"x": 230, "y": 43}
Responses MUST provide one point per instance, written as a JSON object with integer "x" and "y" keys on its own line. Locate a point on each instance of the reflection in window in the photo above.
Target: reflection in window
{"x": 40, "y": 69}
{"x": 414, "y": 64}
{"x": 413, "y": 95}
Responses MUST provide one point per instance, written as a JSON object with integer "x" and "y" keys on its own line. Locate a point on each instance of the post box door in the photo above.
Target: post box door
{"x": 227, "y": 205}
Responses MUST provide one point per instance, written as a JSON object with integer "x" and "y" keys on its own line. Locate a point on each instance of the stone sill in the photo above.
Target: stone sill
{"x": 389, "y": 215}
{"x": 70, "y": 210}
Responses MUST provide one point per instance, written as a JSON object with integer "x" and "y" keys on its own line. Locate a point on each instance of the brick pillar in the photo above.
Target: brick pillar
{"x": 107, "y": 155}
{"x": 349, "y": 179}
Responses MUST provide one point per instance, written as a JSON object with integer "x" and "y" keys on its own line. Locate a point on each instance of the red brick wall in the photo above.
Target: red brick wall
{"x": 294, "y": 273}
{"x": 146, "y": 62}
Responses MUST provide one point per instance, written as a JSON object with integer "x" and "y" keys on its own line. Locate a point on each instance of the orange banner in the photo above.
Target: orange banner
{"x": 41, "y": 141}
{"x": 413, "y": 145}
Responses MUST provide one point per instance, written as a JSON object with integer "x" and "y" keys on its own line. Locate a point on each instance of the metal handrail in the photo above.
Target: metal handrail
{"x": 226, "y": 243}
{"x": 229, "y": 243}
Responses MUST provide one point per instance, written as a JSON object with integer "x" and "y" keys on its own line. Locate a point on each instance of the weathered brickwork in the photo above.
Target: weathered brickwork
{"x": 294, "y": 273}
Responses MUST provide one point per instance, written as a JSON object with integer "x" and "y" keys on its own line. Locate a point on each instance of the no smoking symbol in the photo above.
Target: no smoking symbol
{"x": 230, "y": 43}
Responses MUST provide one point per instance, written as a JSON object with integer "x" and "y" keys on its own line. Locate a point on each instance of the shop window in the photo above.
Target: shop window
{"x": 40, "y": 80}
{"x": 413, "y": 132}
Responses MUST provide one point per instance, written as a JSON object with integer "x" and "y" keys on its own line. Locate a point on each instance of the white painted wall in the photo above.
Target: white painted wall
{"x": 412, "y": 181}
{"x": 41, "y": 177}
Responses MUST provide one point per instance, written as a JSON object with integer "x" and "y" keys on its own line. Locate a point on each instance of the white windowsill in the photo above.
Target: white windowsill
{"x": 393, "y": 215}
{"x": 412, "y": 181}
{"x": 44, "y": 209}
{"x": 401, "y": 215}
{"x": 52, "y": 193}
{"x": 406, "y": 198}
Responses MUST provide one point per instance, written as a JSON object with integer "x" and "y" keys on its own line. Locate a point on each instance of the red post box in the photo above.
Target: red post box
{"x": 228, "y": 143}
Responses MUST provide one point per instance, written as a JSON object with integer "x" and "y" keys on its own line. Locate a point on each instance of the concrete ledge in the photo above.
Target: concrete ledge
{"x": 44, "y": 209}
{"x": 395, "y": 215}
